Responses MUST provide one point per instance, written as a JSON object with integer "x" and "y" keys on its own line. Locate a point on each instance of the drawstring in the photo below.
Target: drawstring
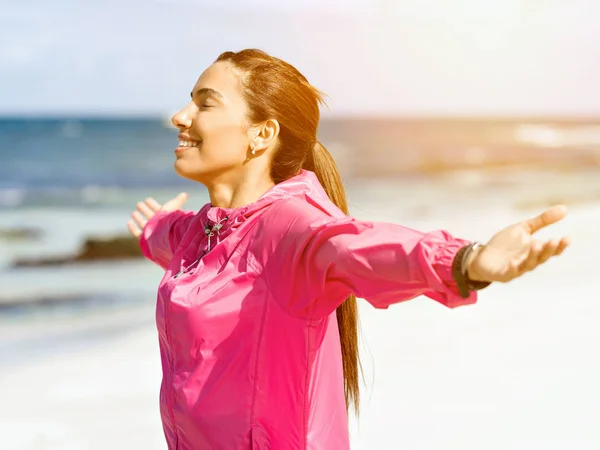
{"x": 210, "y": 232}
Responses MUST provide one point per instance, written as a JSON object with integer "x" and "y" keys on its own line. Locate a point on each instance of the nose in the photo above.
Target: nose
{"x": 182, "y": 119}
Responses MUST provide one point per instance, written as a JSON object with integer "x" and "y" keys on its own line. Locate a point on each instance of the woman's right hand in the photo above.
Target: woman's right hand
{"x": 148, "y": 208}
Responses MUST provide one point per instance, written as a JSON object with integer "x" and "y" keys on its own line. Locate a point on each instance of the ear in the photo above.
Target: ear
{"x": 265, "y": 135}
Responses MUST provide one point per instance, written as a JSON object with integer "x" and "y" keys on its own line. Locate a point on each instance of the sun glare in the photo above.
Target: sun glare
{"x": 460, "y": 10}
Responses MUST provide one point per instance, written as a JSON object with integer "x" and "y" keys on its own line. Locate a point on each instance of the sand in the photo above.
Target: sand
{"x": 518, "y": 370}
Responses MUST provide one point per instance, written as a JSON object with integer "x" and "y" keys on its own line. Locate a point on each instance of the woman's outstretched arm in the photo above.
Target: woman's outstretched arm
{"x": 319, "y": 260}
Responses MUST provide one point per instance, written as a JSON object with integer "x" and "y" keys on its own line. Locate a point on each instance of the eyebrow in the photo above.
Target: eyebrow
{"x": 208, "y": 91}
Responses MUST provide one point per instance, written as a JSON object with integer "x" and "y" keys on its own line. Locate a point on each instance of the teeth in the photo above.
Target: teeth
{"x": 187, "y": 144}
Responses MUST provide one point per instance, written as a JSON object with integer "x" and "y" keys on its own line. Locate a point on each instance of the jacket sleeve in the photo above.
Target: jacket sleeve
{"x": 162, "y": 234}
{"x": 318, "y": 263}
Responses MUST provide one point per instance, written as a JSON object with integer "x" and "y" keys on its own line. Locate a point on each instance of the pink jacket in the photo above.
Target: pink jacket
{"x": 248, "y": 333}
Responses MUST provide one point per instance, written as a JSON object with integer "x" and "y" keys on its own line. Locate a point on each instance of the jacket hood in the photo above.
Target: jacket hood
{"x": 305, "y": 186}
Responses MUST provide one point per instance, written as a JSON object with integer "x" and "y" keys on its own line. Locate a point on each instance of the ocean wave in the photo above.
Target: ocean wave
{"x": 12, "y": 197}
{"x": 88, "y": 195}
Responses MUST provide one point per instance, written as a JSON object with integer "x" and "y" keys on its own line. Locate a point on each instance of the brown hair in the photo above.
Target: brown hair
{"x": 274, "y": 89}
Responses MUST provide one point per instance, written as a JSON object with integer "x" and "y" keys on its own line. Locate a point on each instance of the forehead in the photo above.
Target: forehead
{"x": 222, "y": 77}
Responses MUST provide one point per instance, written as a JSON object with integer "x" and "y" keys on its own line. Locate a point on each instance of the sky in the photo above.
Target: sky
{"x": 377, "y": 57}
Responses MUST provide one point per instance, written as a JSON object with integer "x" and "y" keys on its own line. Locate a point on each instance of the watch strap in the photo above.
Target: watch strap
{"x": 459, "y": 272}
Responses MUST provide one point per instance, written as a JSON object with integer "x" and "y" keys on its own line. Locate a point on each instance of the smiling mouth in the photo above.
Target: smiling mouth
{"x": 183, "y": 144}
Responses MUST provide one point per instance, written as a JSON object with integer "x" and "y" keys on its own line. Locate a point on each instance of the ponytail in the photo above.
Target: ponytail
{"x": 323, "y": 165}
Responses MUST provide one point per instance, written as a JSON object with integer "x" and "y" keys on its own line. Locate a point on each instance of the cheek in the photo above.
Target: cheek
{"x": 224, "y": 136}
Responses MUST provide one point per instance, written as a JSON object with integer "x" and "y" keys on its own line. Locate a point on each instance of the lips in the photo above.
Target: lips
{"x": 187, "y": 141}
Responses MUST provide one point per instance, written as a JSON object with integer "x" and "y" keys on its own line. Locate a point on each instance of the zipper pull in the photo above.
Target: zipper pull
{"x": 210, "y": 232}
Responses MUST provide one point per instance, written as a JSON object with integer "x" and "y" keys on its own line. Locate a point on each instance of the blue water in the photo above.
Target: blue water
{"x": 58, "y": 162}
{"x": 92, "y": 163}
{"x": 75, "y": 161}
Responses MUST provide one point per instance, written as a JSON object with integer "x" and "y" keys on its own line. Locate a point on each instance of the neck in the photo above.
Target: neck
{"x": 241, "y": 192}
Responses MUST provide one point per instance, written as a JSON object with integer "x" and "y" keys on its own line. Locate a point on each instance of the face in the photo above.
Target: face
{"x": 214, "y": 137}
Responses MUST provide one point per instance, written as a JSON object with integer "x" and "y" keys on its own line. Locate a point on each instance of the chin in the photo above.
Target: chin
{"x": 185, "y": 171}
{"x": 192, "y": 172}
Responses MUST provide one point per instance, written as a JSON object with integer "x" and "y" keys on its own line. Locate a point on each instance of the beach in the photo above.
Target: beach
{"x": 515, "y": 371}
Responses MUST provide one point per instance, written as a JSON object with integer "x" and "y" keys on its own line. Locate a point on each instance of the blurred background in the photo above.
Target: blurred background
{"x": 458, "y": 114}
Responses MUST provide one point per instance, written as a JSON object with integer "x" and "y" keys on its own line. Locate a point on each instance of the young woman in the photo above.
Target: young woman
{"x": 256, "y": 312}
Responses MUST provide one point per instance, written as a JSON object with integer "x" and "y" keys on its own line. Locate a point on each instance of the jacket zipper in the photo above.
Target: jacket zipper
{"x": 170, "y": 391}
{"x": 210, "y": 232}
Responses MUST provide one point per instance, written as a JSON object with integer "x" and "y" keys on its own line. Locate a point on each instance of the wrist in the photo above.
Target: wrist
{"x": 464, "y": 260}
{"x": 471, "y": 264}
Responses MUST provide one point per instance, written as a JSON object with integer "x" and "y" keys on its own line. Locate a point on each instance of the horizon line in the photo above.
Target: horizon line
{"x": 564, "y": 118}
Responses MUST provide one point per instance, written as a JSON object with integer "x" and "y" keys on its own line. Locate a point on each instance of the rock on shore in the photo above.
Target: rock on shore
{"x": 93, "y": 249}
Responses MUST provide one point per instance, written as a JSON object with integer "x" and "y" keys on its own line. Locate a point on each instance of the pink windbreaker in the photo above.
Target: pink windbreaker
{"x": 248, "y": 334}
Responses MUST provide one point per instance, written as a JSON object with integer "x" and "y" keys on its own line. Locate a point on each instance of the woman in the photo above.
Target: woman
{"x": 256, "y": 312}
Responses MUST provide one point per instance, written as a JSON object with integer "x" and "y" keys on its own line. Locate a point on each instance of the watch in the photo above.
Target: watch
{"x": 460, "y": 274}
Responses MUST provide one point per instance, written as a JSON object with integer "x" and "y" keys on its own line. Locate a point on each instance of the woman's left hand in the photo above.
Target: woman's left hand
{"x": 513, "y": 251}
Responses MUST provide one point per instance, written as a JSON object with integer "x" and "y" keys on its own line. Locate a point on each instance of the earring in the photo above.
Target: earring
{"x": 253, "y": 151}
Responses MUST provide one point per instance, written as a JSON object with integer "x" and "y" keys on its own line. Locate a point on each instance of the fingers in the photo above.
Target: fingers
{"x": 542, "y": 251}
{"x": 145, "y": 210}
{"x": 148, "y": 209}
{"x": 134, "y": 229}
{"x": 548, "y": 217}
{"x": 549, "y": 250}
{"x": 153, "y": 204}
{"x": 139, "y": 219}
{"x": 176, "y": 203}
{"x": 532, "y": 260}
{"x": 564, "y": 243}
